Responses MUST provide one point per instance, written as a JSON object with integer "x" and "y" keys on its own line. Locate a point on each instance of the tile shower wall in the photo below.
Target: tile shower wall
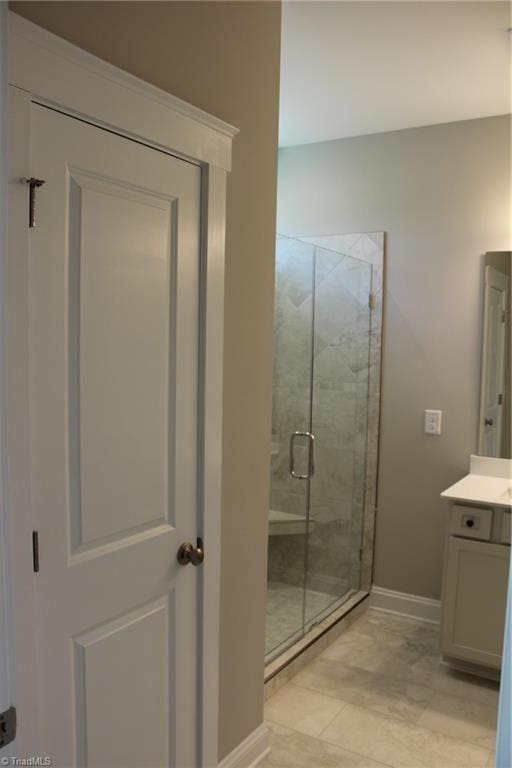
{"x": 326, "y": 378}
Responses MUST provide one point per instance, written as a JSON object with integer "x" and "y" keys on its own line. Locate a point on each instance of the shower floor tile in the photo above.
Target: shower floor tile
{"x": 285, "y": 611}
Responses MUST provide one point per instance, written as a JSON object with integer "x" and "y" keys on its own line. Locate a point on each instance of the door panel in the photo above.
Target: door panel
{"x": 114, "y": 303}
{"x": 111, "y": 662}
{"x": 121, "y": 296}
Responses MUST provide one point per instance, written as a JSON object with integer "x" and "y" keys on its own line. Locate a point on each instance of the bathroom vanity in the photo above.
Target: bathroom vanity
{"x": 477, "y": 551}
{"x": 477, "y": 556}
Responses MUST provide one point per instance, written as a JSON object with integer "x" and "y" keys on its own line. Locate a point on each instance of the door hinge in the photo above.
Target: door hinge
{"x": 35, "y": 551}
{"x": 360, "y": 554}
{"x": 33, "y": 184}
{"x": 7, "y": 726}
{"x": 371, "y": 300}
{"x": 503, "y": 315}
{"x": 500, "y": 399}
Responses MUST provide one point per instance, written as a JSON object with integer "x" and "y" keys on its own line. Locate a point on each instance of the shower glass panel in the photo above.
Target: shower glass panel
{"x": 341, "y": 347}
{"x": 321, "y": 387}
{"x": 291, "y": 412}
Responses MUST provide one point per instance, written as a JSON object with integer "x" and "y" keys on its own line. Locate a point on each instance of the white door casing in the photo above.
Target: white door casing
{"x": 493, "y": 362}
{"x": 108, "y": 539}
{"x": 6, "y": 690}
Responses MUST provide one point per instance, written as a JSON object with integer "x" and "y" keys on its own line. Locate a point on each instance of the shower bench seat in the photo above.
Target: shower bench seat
{"x": 286, "y": 523}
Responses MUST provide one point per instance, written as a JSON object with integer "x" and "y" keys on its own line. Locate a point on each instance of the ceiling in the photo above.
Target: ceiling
{"x": 352, "y": 68}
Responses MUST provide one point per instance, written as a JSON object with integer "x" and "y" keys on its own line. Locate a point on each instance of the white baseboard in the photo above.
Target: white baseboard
{"x": 402, "y": 604}
{"x": 250, "y": 752}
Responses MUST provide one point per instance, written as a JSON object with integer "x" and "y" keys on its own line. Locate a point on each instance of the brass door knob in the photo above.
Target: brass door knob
{"x": 187, "y": 553}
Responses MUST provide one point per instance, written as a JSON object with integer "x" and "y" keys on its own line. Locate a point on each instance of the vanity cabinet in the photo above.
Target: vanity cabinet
{"x": 475, "y": 584}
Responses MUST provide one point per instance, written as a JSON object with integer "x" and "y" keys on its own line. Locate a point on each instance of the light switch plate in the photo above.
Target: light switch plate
{"x": 433, "y": 422}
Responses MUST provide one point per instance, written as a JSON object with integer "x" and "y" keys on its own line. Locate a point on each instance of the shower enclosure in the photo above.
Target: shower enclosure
{"x": 326, "y": 393}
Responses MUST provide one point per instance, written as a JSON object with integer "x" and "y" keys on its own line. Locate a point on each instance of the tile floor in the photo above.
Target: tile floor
{"x": 380, "y": 696}
{"x": 285, "y": 606}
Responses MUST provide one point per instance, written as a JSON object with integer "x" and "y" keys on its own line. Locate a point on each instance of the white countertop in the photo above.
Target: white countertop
{"x": 489, "y": 482}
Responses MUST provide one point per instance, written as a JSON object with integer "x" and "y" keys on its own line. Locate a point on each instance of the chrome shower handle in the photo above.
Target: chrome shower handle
{"x": 311, "y": 461}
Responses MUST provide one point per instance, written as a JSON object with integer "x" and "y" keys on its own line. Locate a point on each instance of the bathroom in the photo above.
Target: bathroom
{"x": 255, "y": 355}
{"x": 391, "y": 368}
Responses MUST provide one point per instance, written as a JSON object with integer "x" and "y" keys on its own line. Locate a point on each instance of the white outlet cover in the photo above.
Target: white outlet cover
{"x": 433, "y": 421}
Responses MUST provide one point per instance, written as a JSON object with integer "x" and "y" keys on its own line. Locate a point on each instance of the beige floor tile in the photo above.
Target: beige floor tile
{"x": 400, "y": 706}
{"x": 392, "y": 696}
{"x": 375, "y": 655}
{"x": 394, "y": 629}
{"x": 462, "y": 718}
{"x": 400, "y": 744}
{"x": 290, "y": 749}
{"x": 303, "y": 710}
{"x": 432, "y": 672}
{"x": 358, "y": 650}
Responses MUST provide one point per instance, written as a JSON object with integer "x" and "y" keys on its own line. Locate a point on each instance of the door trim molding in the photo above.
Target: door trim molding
{"x": 251, "y": 751}
{"x": 404, "y": 604}
{"x": 6, "y": 660}
{"x": 63, "y": 76}
{"x": 48, "y": 70}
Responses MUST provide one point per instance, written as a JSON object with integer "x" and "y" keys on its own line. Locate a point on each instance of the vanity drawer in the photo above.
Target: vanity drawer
{"x": 505, "y": 528}
{"x": 471, "y": 522}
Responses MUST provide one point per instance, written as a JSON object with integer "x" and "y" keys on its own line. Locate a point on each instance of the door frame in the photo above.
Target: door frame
{"x": 6, "y": 657}
{"x": 498, "y": 279}
{"x": 48, "y": 70}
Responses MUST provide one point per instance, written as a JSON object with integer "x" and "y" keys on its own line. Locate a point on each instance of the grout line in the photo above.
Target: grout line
{"x": 422, "y": 728}
{"x": 343, "y": 706}
{"x": 365, "y": 707}
{"x": 389, "y": 715}
{"x": 325, "y": 741}
{"x": 381, "y": 715}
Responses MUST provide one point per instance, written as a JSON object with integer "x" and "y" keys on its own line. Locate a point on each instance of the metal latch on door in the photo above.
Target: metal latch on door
{"x": 33, "y": 184}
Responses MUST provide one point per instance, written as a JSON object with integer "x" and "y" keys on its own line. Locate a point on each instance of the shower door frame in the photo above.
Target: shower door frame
{"x": 310, "y": 630}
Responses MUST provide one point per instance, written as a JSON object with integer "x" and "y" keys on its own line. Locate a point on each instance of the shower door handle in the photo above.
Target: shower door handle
{"x": 311, "y": 458}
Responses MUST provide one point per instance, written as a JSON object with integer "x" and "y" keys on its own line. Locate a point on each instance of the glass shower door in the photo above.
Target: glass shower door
{"x": 326, "y": 383}
{"x": 341, "y": 348}
{"x": 292, "y": 403}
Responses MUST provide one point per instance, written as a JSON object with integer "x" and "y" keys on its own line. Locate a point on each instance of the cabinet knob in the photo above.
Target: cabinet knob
{"x": 470, "y": 523}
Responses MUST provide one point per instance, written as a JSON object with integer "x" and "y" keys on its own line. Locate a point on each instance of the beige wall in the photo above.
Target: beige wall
{"x": 223, "y": 57}
{"x": 442, "y": 194}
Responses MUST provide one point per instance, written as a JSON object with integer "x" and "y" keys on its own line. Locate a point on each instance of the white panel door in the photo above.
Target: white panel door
{"x": 114, "y": 303}
{"x": 493, "y": 363}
